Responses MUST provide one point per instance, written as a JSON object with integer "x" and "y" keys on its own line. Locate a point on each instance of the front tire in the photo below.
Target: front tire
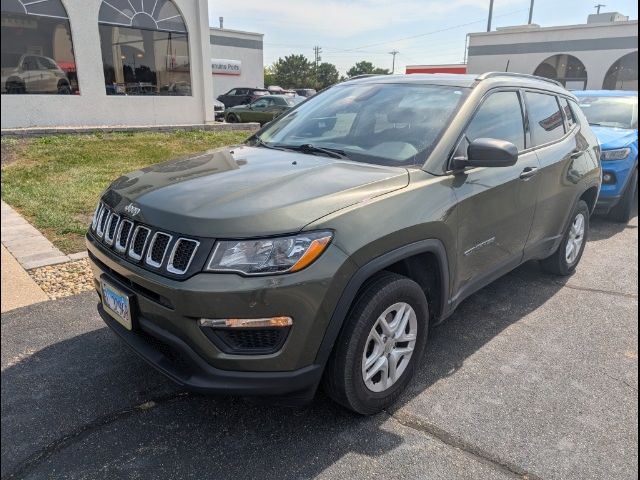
{"x": 233, "y": 118}
{"x": 624, "y": 209}
{"x": 566, "y": 258}
{"x": 384, "y": 337}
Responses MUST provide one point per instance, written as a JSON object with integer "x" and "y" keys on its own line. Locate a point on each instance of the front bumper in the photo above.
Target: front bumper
{"x": 166, "y": 332}
{"x": 611, "y": 193}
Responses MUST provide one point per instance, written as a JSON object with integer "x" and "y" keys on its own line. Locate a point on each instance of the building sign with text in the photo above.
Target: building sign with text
{"x": 220, "y": 66}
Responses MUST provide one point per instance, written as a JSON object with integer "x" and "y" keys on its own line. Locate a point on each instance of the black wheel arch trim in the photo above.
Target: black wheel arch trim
{"x": 371, "y": 268}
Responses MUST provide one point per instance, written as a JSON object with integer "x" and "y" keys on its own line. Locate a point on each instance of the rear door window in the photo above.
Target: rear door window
{"x": 499, "y": 117}
{"x": 545, "y": 118}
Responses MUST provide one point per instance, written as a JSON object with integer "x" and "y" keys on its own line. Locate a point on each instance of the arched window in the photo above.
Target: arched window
{"x": 623, "y": 74}
{"x": 37, "y": 50}
{"x": 145, "y": 48}
{"x": 566, "y": 69}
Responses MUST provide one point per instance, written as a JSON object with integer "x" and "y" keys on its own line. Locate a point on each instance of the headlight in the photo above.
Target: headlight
{"x": 617, "y": 154}
{"x": 269, "y": 255}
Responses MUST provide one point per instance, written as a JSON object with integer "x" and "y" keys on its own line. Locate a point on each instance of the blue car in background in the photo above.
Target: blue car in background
{"x": 613, "y": 116}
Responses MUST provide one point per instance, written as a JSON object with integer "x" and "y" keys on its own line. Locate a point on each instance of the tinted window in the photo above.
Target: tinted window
{"x": 499, "y": 117}
{"x": 37, "y": 51}
{"x": 568, "y": 114}
{"x": 145, "y": 51}
{"x": 545, "y": 117}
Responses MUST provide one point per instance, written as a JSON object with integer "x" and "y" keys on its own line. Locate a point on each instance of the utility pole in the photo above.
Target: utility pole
{"x": 317, "y": 50}
{"x": 490, "y": 15}
{"x": 393, "y": 64}
{"x": 598, "y": 7}
{"x": 531, "y": 12}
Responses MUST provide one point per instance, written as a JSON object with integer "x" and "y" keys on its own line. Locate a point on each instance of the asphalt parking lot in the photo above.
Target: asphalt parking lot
{"x": 533, "y": 377}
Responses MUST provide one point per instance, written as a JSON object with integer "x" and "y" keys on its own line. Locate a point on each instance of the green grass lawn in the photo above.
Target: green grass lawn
{"x": 55, "y": 181}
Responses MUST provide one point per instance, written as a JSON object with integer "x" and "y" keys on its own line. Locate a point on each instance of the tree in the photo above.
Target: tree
{"x": 269, "y": 76}
{"x": 294, "y": 71}
{"x": 364, "y": 68}
{"x": 326, "y": 75}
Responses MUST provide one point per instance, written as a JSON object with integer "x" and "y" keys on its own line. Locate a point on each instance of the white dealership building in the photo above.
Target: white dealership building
{"x": 82, "y": 63}
{"x": 601, "y": 54}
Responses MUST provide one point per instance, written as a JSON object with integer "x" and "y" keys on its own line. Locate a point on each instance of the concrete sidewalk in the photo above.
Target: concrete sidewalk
{"x": 18, "y": 289}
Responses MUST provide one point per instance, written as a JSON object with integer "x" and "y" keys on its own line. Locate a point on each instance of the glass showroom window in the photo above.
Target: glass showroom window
{"x": 567, "y": 69}
{"x": 145, "y": 48}
{"x": 37, "y": 50}
{"x": 623, "y": 74}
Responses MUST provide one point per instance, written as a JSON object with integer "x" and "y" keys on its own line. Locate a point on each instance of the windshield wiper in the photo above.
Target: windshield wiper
{"x": 258, "y": 142}
{"x": 310, "y": 148}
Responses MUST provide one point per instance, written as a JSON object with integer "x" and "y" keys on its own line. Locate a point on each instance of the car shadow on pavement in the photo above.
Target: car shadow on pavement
{"x": 604, "y": 228}
{"x": 87, "y": 402}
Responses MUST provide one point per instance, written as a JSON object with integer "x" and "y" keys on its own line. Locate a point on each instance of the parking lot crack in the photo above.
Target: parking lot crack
{"x": 81, "y": 432}
{"x": 452, "y": 440}
{"x": 597, "y": 290}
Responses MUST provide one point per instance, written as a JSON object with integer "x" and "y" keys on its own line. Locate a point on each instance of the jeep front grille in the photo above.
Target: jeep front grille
{"x": 157, "y": 249}
{"x": 124, "y": 232}
{"x": 181, "y": 256}
{"x": 110, "y": 231}
{"x": 139, "y": 242}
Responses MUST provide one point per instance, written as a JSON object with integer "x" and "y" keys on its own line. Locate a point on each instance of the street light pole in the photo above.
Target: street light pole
{"x": 531, "y": 12}
{"x": 490, "y": 15}
{"x": 393, "y": 65}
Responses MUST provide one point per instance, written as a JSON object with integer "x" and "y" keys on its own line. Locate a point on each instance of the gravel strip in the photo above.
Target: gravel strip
{"x": 65, "y": 279}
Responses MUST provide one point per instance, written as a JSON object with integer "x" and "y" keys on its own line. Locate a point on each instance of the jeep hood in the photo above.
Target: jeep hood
{"x": 611, "y": 137}
{"x": 248, "y": 191}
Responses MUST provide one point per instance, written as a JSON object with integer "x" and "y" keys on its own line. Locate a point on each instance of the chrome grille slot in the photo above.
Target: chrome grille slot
{"x": 138, "y": 242}
{"x": 181, "y": 256}
{"x": 123, "y": 234}
{"x": 110, "y": 230}
{"x": 96, "y": 215}
{"x": 102, "y": 221}
{"x": 158, "y": 249}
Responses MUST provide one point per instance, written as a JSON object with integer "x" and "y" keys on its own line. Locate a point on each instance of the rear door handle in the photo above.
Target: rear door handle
{"x": 528, "y": 173}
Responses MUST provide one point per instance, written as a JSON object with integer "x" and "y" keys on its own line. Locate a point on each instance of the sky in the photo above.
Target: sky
{"x": 422, "y": 31}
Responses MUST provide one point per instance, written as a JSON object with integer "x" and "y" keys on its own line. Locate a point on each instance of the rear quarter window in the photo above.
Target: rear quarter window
{"x": 545, "y": 118}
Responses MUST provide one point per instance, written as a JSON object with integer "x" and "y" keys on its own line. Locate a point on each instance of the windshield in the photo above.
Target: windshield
{"x": 387, "y": 124}
{"x": 621, "y": 112}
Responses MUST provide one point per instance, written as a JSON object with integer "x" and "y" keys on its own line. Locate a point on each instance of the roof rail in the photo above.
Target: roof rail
{"x": 486, "y": 75}
{"x": 366, "y": 75}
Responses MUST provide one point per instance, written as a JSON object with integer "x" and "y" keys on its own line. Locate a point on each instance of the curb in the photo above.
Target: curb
{"x": 43, "y": 131}
{"x": 27, "y": 245}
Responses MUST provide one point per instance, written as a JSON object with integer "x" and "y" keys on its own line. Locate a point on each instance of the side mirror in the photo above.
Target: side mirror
{"x": 488, "y": 152}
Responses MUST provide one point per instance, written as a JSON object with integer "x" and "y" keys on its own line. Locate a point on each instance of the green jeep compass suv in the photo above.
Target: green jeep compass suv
{"x": 323, "y": 249}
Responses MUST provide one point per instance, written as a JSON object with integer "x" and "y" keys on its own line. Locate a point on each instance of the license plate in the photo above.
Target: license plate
{"x": 116, "y": 303}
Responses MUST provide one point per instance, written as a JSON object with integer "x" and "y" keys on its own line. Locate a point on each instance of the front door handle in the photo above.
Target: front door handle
{"x": 576, "y": 154}
{"x": 529, "y": 172}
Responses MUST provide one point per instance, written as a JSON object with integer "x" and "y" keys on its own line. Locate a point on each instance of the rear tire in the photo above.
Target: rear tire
{"x": 355, "y": 375}
{"x": 623, "y": 210}
{"x": 566, "y": 258}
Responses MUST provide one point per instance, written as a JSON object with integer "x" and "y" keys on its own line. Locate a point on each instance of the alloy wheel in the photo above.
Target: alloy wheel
{"x": 576, "y": 238}
{"x": 389, "y": 347}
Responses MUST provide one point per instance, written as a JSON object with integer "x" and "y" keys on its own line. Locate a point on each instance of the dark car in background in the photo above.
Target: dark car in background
{"x": 613, "y": 116}
{"x": 263, "y": 110}
{"x": 306, "y": 92}
{"x": 241, "y": 96}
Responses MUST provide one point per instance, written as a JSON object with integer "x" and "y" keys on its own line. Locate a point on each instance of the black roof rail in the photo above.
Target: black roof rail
{"x": 366, "y": 75}
{"x": 486, "y": 75}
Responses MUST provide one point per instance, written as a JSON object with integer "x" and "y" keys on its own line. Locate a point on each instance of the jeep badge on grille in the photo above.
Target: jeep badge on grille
{"x": 132, "y": 210}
